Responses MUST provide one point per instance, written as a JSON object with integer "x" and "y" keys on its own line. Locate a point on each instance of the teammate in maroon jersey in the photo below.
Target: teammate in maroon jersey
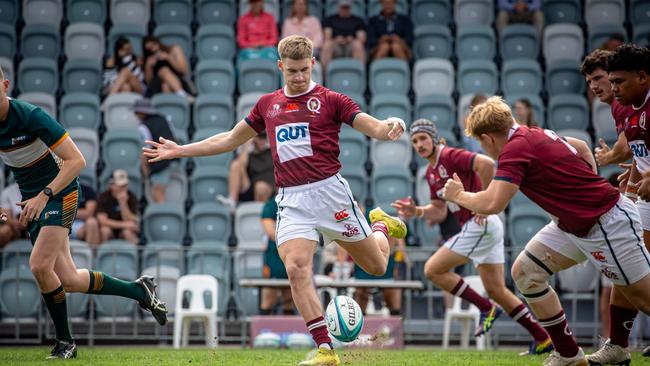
{"x": 303, "y": 121}
{"x": 590, "y": 219}
{"x": 480, "y": 239}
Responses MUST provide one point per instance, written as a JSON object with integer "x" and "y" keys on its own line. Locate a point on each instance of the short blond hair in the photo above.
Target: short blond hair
{"x": 491, "y": 116}
{"x": 295, "y": 48}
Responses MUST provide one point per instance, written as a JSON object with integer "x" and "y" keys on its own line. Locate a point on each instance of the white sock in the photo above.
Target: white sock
{"x": 182, "y": 93}
{"x": 325, "y": 346}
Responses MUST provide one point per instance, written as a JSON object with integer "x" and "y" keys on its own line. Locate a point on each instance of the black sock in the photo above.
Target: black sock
{"x": 56, "y": 305}
{"x": 395, "y": 312}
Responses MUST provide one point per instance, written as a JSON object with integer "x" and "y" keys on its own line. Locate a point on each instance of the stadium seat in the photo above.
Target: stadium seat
{"x": 166, "y": 278}
{"x": 87, "y": 141}
{"x": 80, "y": 110}
{"x": 209, "y": 220}
{"x": 40, "y": 40}
{"x": 118, "y": 111}
{"x": 19, "y": 295}
{"x": 163, "y": 221}
{"x": 86, "y": 11}
{"x": 357, "y": 180}
{"x": 78, "y": 302}
{"x": 84, "y": 41}
{"x": 38, "y": 74}
{"x": 118, "y": 258}
{"x": 519, "y": 41}
{"x": 258, "y": 76}
{"x": 390, "y": 183}
{"x": 358, "y": 8}
{"x": 176, "y": 111}
{"x": 450, "y": 138}
{"x": 473, "y": 12}
{"x": 578, "y": 283}
{"x": 9, "y": 10}
{"x": 535, "y": 101}
{"x": 270, "y": 6}
{"x": 163, "y": 253}
{"x": 316, "y": 73}
{"x": 84, "y": 76}
{"x": 598, "y": 35}
{"x": 346, "y": 75}
{"x": 215, "y": 41}
{"x": 48, "y": 12}
{"x": 221, "y": 160}
{"x": 211, "y": 257}
{"x": 475, "y": 42}
{"x": 353, "y": 147}
{"x": 130, "y": 12}
{"x": 247, "y": 264}
{"x": 7, "y": 67}
{"x": 609, "y": 171}
{"x": 176, "y": 186}
{"x": 562, "y": 11}
{"x": 359, "y": 99}
{"x": 431, "y": 12}
{"x": 213, "y": 111}
{"x": 520, "y": 199}
{"x": 429, "y": 235}
{"x": 207, "y": 182}
{"x": 577, "y": 134}
{"x": 524, "y": 221}
{"x": 604, "y": 12}
{"x": 215, "y": 76}
{"x": 88, "y": 176}
{"x": 639, "y": 13}
{"x": 42, "y": 100}
{"x": 197, "y": 298}
{"x": 422, "y": 194}
{"x": 470, "y": 317}
{"x": 248, "y": 225}
{"x": 433, "y": 76}
{"x": 245, "y": 103}
{"x": 8, "y": 41}
{"x": 16, "y": 254}
{"x": 641, "y": 34}
{"x": 315, "y": 8}
{"x": 568, "y": 111}
{"x": 216, "y": 12}
{"x": 521, "y": 76}
{"x": 477, "y": 76}
{"x": 391, "y": 153}
{"x": 176, "y": 34}
{"x": 173, "y": 12}
{"x": 390, "y": 75}
{"x": 563, "y": 41}
{"x": 432, "y": 40}
{"x": 463, "y": 109}
{"x": 564, "y": 77}
{"x": 603, "y": 121}
{"x": 133, "y": 32}
{"x": 440, "y": 109}
{"x": 121, "y": 148}
{"x": 383, "y": 106}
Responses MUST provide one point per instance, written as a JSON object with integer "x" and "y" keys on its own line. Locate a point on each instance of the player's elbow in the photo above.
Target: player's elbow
{"x": 494, "y": 207}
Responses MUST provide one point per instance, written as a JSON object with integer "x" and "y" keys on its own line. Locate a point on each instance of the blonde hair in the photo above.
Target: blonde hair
{"x": 492, "y": 116}
{"x": 295, "y": 47}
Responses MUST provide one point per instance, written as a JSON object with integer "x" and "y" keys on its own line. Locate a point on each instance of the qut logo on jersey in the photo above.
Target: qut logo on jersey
{"x": 291, "y": 132}
{"x": 639, "y": 149}
{"x": 293, "y": 141}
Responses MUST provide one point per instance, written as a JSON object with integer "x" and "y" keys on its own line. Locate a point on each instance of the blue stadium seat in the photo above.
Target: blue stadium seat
{"x": 641, "y": 34}
{"x": 433, "y": 76}
{"x": 391, "y": 153}
{"x": 215, "y": 76}
{"x": 7, "y": 41}
{"x": 440, "y": 109}
{"x": 78, "y": 302}
{"x": 390, "y": 183}
{"x": 346, "y": 75}
{"x": 564, "y": 77}
{"x": 80, "y": 110}
{"x": 245, "y": 103}
{"x": 7, "y": 67}
{"x": 603, "y": 121}
{"x": 432, "y": 40}
{"x": 133, "y": 32}
{"x": 87, "y": 141}
{"x": 562, "y": 11}
{"x": 390, "y": 75}
{"x": 209, "y": 220}
{"x": 118, "y": 111}
{"x": 568, "y": 111}
{"x": 176, "y": 34}
{"x": 524, "y": 221}
{"x": 173, "y": 12}
{"x": 450, "y": 138}
{"x": 247, "y": 264}
{"x": 220, "y": 161}
{"x": 215, "y": 41}
{"x": 521, "y": 76}
{"x": 477, "y": 76}
{"x": 519, "y": 41}
{"x": 216, "y": 12}
{"x": 473, "y": 12}
{"x": 42, "y": 100}
{"x": 38, "y": 74}
{"x": 207, "y": 182}
{"x": 86, "y": 11}
{"x": 176, "y": 111}
{"x": 353, "y": 147}
{"x": 83, "y": 76}
{"x": 24, "y": 306}
{"x": 130, "y": 12}
{"x": 639, "y": 12}
{"x": 476, "y": 42}
{"x": 258, "y": 76}
{"x": 383, "y": 106}
{"x": 40, "y": 40}
{"x": 121, "y": 148}
{"x": 535, "y": 101}
{"x": 357, "y": 180}
{"x": 88, "y": 176}
{"x": 84, "y": 41}
{"x": 116, "y": 258}
{"x": 431, "y": 12}
{"x": 164, "y": 221}
{"x": 48, "y": 12}
{"x": 16, "y": 254}
{"x": 429, "y": 235}
{"x": 214, "y": 111}
{"x": 598, "y": 35}
{"x": 248, "y": 227}
{"x": 577, "y": 134}
{"x": 211, "y": 257}
{"x": 563, "y": 41}
{"x": 604, "y": 12}
{"x": 9, "y": 10}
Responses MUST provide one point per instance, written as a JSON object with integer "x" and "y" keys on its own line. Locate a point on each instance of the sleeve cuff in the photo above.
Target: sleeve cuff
{"x": 351, "y": 119}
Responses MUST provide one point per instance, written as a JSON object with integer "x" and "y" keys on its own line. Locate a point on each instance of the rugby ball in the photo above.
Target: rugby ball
{"x": 267, "y": 340}
{"x": 344, "y": 318}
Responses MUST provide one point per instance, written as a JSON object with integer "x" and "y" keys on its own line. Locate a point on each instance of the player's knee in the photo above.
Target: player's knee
{"x": 431, "y": 271}
{"x": 378, "y": 269}
{"x": 494, "y": 291}
{"x": 297, "y": 272}
{"x": 531, "y": 276}
{"x": 40, "y": 267}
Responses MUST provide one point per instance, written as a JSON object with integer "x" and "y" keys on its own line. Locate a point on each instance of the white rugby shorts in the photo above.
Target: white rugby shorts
{"x": 644, "y": 211}
{"x": 326, "y": 206}
{"x": 614, "y": 245}
{"x": 481, "y": 244}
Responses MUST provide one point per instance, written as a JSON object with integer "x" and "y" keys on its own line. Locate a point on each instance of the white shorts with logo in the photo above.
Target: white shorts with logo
{"x": 326, "y": 206}
{"x": 481, "y": 244}
{"x": 614, "y": 245}
{"x": 644, "y": 211}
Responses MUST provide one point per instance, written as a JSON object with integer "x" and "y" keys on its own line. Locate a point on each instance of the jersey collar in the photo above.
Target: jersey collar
{"x": 312, "y": 85}
{"x": 438, "y": 152}
{"x": 644, "y": 101}
{"x": 513, "y": 129}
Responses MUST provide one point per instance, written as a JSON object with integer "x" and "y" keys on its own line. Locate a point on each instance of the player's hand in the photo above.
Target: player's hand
{"x": 32, "y": 208}
{"x": 480, "y": 219}
{"x": 405, "y": 207}
{"x": 600, "y": 152}
{"x": 166, "y": 149}
{"x": 397, "y": 128}
{"x": 453, "y": 188}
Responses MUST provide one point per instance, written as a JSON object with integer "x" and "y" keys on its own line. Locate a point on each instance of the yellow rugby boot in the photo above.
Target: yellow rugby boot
{"x": 324, "y": 357}
{"x": 396, "y": 227}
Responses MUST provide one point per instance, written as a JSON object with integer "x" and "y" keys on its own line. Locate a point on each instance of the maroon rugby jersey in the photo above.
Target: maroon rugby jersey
{"x": 451, "y": 160}
{"x": 549, "y": 172}
{"x": 303, "y": 132}
{"x": 637, "y": 134}
{"x": 620, "y": 113}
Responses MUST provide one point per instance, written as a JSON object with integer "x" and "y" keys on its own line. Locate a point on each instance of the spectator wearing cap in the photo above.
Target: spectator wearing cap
{"x": 300, "y": 23}
{"x": 117, "y": 210}
{"x": 520, "y": 11}
{"x": 154, "y": 127}
{"x": 257, "y": 34}
{"x": 345, "y": 35}
{"x": 390, "y": 34}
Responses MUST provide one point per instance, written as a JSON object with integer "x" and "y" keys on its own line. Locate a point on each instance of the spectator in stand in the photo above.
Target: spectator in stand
{"x": 10, "y": 227}
{"x": 166, "y": 69}
{"x": 251, "y": 174}
{"x": 524, "y": 113}
{"x": 390, "y": 34}
{"x": 345, "y": 35}
{"x": 613, "y": 42}
{"x": 153, "y": 127}
{"x": 117, "y": 210}
{"x": 273, "y": 265}
{"x": 85, "y": 226}
{"x": 257, "y": 34}
{"x": 301, "y": 23}
{"x": 520, "y": 11}
{"x": 122, "y": 72}
{"x": 471, "y": 144}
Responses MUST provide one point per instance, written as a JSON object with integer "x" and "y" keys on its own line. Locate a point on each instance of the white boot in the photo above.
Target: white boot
{"x": 610, "y": 354}
{"x": 555, "y": 359}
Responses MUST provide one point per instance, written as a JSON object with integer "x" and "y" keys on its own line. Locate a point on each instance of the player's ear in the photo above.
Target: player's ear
{"x": 643, "y": 77}
{"x": 280, "y": 65}
{"x": 313, "y": 61}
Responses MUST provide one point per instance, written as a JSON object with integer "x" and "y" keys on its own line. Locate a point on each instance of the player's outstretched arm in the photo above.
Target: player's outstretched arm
{"x": 214, "y": 145}
{"x": 484, "y": 166}
{"x": 389, "y": 129}
{"x": 491, "y": 201}
{"x": 619, "y": 153}
{"x": 435, "y": 211}
{"x": 583, "y": 151}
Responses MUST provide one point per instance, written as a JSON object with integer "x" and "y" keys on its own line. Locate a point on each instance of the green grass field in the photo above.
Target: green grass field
{"x": 226, "y": 357}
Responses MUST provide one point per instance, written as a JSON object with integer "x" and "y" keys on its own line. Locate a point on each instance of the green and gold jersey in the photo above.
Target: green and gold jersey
{"x": 27, "y": 138}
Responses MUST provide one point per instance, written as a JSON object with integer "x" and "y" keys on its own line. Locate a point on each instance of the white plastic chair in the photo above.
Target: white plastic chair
{"x": 196, "y": 285}
{"x": 470, "y": 316}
